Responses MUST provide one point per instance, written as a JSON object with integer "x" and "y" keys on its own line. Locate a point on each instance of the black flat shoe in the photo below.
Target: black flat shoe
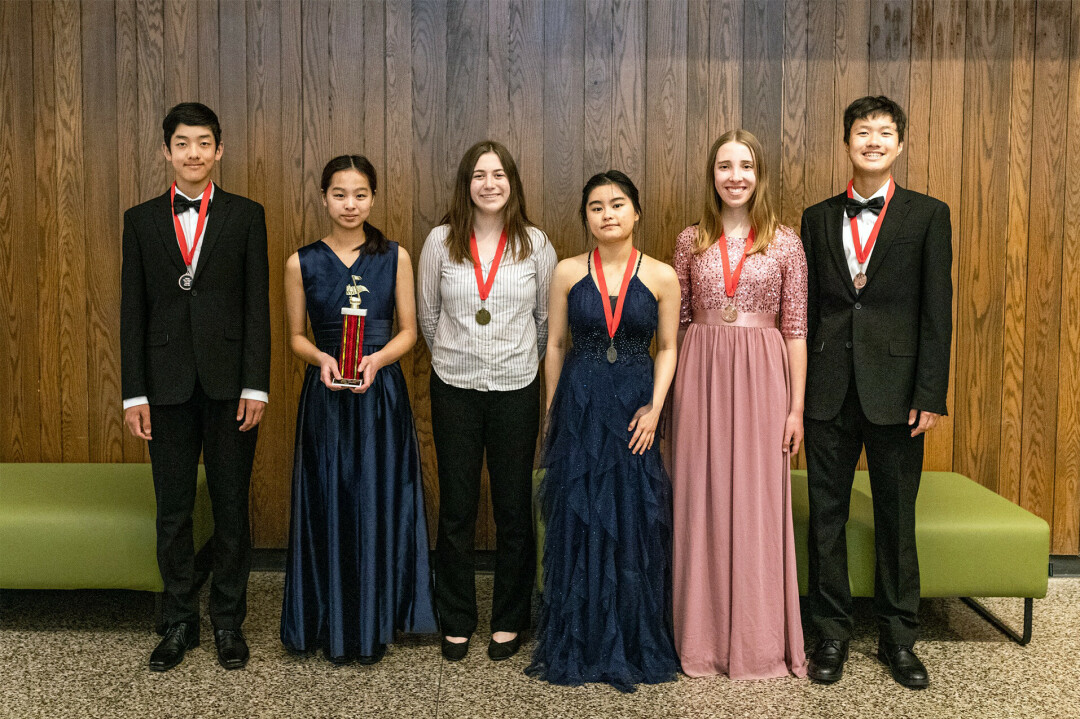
{"x": 453, "y": 651}
{"x": 498, "y": 651}
{"x": 827, "y": 661}
{"x": 904, "y": 666}
{"x": 170, "y": 650}
{"x": 380, "y": 652}
{"x": 232, "y": 648}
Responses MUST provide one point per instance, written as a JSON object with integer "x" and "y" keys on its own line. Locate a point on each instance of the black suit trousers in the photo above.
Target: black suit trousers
{"x": 894, "y": 461}
{"x": 180, "y": 433}
{"x": 467, "y": 424}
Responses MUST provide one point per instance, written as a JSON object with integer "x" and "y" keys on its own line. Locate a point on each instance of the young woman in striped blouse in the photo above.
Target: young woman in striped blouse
{"x": 483, "y": 296}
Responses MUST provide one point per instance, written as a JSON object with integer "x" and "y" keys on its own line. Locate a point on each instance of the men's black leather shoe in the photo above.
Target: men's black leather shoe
{"x": 904, "y": 666}
{"x": 455, "y": 652}
{"x": 497, "y": 651}
{"x": 170, "y": 650}
{"x": 827, "y": 661}
{"x": 232, "y": 648}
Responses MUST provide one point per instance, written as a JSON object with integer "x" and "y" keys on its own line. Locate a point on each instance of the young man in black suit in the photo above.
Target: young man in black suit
{"x": 880, "y": 323}
{"x": 195, "y": 360}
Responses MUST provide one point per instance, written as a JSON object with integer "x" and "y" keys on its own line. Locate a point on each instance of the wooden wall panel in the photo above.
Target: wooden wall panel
{"x": 572, "y": 87}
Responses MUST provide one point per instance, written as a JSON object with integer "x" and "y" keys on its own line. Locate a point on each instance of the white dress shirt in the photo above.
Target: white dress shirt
{"x": 189, "y": 220}
{"x": 865, "y": 221}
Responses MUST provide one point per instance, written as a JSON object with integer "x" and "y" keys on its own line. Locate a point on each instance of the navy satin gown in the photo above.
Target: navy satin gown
{"x": 606, "y": 610}
{"x": 357, "y": 568}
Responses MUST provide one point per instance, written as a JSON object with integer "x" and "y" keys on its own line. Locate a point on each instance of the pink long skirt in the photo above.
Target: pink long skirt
{"x": 736, "y": 593}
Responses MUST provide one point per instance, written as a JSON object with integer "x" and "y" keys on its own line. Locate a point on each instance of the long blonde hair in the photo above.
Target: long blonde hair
{"x": 762, "y": 214}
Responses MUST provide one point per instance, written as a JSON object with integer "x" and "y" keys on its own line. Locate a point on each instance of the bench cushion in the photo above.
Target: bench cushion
{"x": 972, "y": 542}
{"x": 84, "y": 526}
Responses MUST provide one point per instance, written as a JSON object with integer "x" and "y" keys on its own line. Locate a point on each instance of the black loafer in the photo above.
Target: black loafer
{"x": 827, "y": 661}
{"x": 232, "y": 648}
{"x": 170, "y": 650}
{"x": 380, "y": 652}
{"x": 498, "y": 651}
{"x": 904, "y": 666}
{"x": 453, "y": 651}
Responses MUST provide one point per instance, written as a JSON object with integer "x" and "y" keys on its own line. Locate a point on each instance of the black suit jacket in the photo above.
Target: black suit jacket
{"x": 894, "y": 335}
{"x": 219, "y": 330}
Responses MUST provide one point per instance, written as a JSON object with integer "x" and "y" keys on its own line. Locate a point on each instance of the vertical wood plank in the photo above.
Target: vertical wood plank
{"x": 209, "y": 92}
{"x": 525, "y": 89}
{"x": 599, "y": 87}
{"x": 790, "y": 174}
{"x": 628, "y": 78}
{"x": 851, "y": 73}
{"x": 981, "y": 260}
{"x": 763, "y": 87}
{"x": 665, "y": 119}
{"x": 822, "y": 129}
{"x": 374, "y": 110}
{"x": 890, "y": 60}
{"x": 1066, "y": 526}
{"x": 1043, "y": 317}
{"x": 725, "y": 62}
{"x": 348, "y": 135}
{"x": 1012, "y": 385}
{"x": 498, "y": 72}
{"x": 101, "y": 228}
{"x": 182, "y": 69}
{"x": 233, "y": 110}
{"x": 920, "y": 82}
{"x": 154, "y": 172}
{"x": 20, "y": 409}
{"x": 466, "y": 79}
{"x": 698, "y": 130}
{"x": 315, "y": 23}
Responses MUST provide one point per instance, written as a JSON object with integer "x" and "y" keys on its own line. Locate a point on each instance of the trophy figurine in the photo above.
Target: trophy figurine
{"x": 352, "y": 337}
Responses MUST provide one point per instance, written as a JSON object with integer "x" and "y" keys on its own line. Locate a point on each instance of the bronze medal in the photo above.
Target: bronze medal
{"x": 482, "y": 316}
{"x": 729, "y": 314}
{"x": 612, "y": 354}
{"x": 860, "y": 281}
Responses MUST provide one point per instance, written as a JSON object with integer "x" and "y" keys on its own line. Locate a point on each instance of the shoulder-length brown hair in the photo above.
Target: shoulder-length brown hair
{"x": 460, "y": 215}
{"x": 762, "y": 213}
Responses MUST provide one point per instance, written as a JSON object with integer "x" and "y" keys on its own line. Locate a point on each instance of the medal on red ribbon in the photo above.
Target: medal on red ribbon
{"x": 484, "y": 287}
{"x": 731, "y": 278}
{"x": 862, "y": 254}
{"x": 187, "y": 249}
{"x": 613, "y": 317}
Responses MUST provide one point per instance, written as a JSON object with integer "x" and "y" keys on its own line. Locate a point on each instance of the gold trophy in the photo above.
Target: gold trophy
{"x": 352, "y": 337}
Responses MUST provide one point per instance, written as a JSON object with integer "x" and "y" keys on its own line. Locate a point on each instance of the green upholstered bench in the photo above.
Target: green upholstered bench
{"x": 84, "y": 526}
{"x": 972, "y": 543}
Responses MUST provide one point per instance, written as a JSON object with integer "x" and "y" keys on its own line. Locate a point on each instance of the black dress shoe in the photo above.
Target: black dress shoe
{"x": 170, "y": 650}
{"x": 232, "y": 648}
{"x": 455, "y": 652}
{"x": 380, "y": 652}
{"x": 827, "y": 661}
{"x": 497, "y": 651}
{"x": 904, "y": 666}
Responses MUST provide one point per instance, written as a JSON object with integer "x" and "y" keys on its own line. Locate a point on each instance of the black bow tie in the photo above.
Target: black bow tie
{"x": 182, "y": 204}
{"x": 853, "y": 207}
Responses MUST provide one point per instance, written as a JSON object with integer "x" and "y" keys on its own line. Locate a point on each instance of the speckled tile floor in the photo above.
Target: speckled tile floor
{"x": 83, "y": 654}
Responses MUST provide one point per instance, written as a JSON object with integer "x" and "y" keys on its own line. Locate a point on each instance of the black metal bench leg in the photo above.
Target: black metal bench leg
{"x": 1000, "y": 625}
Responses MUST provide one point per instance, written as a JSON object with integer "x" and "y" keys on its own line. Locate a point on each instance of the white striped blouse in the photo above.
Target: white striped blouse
{"x": 504, "y": 354}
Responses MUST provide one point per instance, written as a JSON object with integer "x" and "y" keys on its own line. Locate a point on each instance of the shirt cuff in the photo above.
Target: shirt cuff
{"x": 258, "y": 394}
{"x": 135, "y": 402}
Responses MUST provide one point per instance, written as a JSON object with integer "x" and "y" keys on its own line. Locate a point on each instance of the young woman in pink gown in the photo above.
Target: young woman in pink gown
{"x": 737, "y": 421}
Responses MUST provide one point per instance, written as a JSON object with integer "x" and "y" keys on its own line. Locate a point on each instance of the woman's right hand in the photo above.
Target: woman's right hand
{"x": 328, "y": 371}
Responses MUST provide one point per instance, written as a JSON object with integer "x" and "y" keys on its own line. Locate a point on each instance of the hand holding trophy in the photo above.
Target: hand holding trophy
{"x": 352, "y": 338}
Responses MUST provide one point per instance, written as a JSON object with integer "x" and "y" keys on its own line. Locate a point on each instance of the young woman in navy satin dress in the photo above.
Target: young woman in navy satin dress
{"x": 357, "y": 567}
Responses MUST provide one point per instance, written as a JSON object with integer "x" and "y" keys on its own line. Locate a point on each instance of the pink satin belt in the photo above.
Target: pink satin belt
{"x": 745, "y": 319}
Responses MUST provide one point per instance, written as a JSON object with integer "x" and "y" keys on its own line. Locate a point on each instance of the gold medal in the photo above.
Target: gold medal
{"x": 482, "y": 316}
{"x": 859, "y": 281}
{"x": 729, "y": 314}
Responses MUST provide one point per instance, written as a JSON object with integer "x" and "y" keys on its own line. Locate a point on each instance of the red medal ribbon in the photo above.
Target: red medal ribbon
{"x": 188, "y": 253}
{"x": 862, "y": 254}
{"x": 731, "y": 279}
{"x": 481, "y": 285}
{"x": 613, "y": 318}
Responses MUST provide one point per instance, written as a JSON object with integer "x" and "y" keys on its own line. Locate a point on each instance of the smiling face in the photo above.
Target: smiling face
{"x": 192, "y": 153}
{"x": 490, "y": 187}
{"x": 873, "y": 145}
{"x": 611, "y": 214}
{"x": 348, "y": 199}
{"x": 734, "y": 174}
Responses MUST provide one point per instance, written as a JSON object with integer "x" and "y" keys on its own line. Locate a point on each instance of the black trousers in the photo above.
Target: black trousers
{"x": 894, "y": 460}
{"x": 467, "y": 423}
{"x": 181, "y": 432}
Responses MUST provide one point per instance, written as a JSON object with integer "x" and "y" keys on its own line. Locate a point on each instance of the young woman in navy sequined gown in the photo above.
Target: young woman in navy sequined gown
{"x": 605, "y": 497}
{"x": 357, "y": 568}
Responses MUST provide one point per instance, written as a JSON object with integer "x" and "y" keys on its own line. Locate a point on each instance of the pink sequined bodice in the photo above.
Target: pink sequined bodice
{"x": 773, "y": 281}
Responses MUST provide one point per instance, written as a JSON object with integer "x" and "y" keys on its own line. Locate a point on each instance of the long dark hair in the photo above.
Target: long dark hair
{"x": 376, "y": 242}
{"x": 460, "y": 214}
{"x": 601, "y": 179}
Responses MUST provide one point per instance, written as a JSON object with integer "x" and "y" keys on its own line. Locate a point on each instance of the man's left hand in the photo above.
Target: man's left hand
{"x": 250, "y": 412}
{"x": 920, "y": 421}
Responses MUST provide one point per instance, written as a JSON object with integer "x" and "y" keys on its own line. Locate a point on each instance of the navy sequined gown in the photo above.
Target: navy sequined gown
{"x": 357, "y": 567}
{"x": 606, "y": 610}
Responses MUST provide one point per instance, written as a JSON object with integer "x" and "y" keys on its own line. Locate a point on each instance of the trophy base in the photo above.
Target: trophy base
{"x": 346, "y": 383}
